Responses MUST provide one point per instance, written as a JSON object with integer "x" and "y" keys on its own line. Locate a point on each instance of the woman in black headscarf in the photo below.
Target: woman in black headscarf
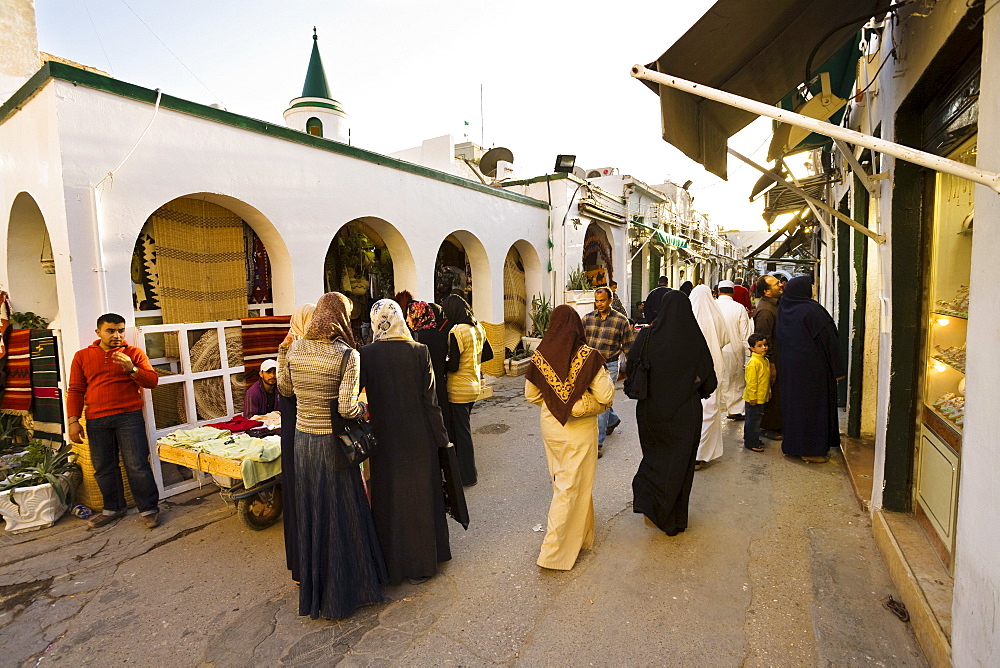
{"x": 810, "y": 357}
{"x": 652, "y": 304}
{"x": 687, "y": 287}
{"x": 681, "y": 374}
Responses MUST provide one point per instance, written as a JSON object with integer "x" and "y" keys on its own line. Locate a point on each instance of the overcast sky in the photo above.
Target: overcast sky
{"x": 554, "y": 75}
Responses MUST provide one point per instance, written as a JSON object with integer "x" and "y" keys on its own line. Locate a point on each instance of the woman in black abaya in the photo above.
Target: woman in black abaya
{"x": 681, "y": 374}
{"x": 810, "y": 356}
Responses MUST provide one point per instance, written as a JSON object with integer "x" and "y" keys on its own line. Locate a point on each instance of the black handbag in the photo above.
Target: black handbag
{"x": 636, "y": 385}
{"x": 356, "y": 438}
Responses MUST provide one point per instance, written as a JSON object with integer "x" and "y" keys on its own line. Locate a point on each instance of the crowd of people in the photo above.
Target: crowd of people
{"x": 703, "y": 357}
{"x": 347, "y": 538}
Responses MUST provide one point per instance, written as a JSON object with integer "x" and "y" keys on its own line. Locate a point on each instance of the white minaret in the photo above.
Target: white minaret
{"x": 18, "y": 44}
{"x": 315, "y": 111}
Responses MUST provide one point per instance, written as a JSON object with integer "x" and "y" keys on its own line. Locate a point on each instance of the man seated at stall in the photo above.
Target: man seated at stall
{"x": 260, "y": 396}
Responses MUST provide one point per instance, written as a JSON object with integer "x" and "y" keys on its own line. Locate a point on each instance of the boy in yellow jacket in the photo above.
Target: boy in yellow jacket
{"x": 758, "y": 377}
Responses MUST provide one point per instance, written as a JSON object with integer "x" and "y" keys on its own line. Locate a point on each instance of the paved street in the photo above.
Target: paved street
{"x": 777, "y": 568}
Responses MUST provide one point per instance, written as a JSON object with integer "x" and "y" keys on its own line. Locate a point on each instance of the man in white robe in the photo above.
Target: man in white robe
{"x": 716, "y": 336}
{"x": 732, "y": 380}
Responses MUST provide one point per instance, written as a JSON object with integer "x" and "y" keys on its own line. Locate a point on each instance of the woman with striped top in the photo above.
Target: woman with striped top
{"x": 340, "y": 562}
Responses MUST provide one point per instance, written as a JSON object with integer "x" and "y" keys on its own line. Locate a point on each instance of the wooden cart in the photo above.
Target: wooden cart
{"x": 258, "y": 507}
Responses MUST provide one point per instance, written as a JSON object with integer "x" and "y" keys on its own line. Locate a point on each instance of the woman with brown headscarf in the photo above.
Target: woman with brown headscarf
{"x": 564, "y": 369}
{"x": 339, "y": 559}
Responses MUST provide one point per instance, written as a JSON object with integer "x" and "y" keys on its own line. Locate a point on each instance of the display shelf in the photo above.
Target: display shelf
{"x": 954, "y": 314}
{"x": 951, "y": 424}
{"x": 948, "y": 364}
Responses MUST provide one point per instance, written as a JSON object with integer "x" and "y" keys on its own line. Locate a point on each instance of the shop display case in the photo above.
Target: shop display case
{"x": 939, "y": 444}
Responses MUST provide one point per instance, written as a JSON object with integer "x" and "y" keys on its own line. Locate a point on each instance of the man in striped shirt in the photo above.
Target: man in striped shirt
{"x": 108, "y": 377}
{"x": 611, "y": 334}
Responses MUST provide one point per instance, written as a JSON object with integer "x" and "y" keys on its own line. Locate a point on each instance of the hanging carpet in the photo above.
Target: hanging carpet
{"x": 515, "y": 307}
{"x": 17, "y": 392}
{"x": 4, "y": 328}
{"x": 47, "y": 409}
{"x": 261, "y": 338}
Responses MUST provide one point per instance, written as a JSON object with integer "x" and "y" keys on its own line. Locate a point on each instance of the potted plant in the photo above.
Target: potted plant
{"x": 518, "y": 364}
{"x": 579, "y": 293}
{"x": 541, "y": 312}
{"x": 40, "y": 487}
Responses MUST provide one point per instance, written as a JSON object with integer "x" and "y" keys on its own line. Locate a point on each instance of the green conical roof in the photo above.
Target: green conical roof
{"x": 316, "y": 85}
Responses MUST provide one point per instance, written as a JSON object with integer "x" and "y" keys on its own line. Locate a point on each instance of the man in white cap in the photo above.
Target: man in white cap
{"x": 732, "y": 381}
{"x": 260, "y": 396}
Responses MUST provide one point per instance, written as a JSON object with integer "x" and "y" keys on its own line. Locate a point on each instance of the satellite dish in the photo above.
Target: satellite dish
{"x": 488, "y": 163}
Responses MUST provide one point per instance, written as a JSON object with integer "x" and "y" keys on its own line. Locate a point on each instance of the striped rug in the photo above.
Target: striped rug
{"x": 47, "y": 409}
{"x": 261, "y": 337}
{"x": 17, "y": 393}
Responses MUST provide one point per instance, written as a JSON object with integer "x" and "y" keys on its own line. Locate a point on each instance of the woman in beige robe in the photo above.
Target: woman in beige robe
{"x": 563, "y": 369}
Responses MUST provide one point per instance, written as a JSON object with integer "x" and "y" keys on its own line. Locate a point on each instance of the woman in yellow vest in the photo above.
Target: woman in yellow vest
{"x": 466, "y": 353}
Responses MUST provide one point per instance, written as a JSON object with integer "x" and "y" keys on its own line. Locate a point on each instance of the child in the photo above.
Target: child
{"x": 758, "y": 377}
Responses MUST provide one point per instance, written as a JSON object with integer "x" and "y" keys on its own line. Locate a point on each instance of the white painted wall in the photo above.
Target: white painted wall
{"x": 976, "y": 603}
{"x": 64, "y": 141}
{"x": 436, "y": 153}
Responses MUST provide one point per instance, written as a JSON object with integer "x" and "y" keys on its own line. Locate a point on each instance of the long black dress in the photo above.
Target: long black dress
{"x": 406, "y": 494}
{"x": 437, "y": 345}
{"x": 811, "y": 363}
{"x": 681, "y": 373}
{"x": 287, "y": 407}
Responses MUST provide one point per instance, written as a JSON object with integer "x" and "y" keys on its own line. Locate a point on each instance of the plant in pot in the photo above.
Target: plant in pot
{"x": 39, "y": 488}
{"x": 541, "y": 312}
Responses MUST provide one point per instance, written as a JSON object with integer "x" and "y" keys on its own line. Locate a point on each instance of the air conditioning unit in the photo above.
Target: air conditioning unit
{"x": 505, "y": 170}
{"x": 601, "y": 171}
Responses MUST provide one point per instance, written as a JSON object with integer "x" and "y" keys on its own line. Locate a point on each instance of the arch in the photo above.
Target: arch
{"x": 533, "y": 275}
{"x": 404, "y": 269}
{"x": 31, "y": 287}
{"x": 479, "y": 266}
{"x": 314, "y": 126}
{"x": 521, "y": 282}
{"x": 598, "y": 253}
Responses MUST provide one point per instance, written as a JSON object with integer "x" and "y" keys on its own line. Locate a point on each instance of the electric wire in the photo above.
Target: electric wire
{"x": 218, "y": 99}
{"x": 111, "y": 69}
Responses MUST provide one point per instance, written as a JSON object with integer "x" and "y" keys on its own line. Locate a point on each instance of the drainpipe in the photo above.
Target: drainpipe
{"x": 100, "y": 268}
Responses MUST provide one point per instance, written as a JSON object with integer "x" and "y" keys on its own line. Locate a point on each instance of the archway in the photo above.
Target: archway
{"x": 30, "y": 266}
{"x": 367, "y": 260}
{"x": 522, "y": 282}
{"x": 598, "y": 262}
{"x": 462, "y": 267}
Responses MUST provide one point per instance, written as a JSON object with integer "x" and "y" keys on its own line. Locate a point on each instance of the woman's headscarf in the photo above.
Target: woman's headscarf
{"x": 420, "y": 316}
{"x": 458, "y": 311}
{"x": 332, "y": 319}
{"x": 711, "y": 322}
{"x": 388, "y": 323}
{"x": 679, "y": 358}
{"x": 653, "y": 300}
{"x": 301, "y": 317}
{"x": 686, "y": 287}
{"x": 798, "y": 311}
{"x": 563, "y": 364}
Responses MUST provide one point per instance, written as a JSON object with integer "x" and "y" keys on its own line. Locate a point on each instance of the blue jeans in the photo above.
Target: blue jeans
{"x": 123, "y": 433}
{"x": 751, "y": 425}
{"x": 609, "y": 416}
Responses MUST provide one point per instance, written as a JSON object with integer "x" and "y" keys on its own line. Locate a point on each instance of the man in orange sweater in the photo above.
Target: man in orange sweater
{"x": 109, "y": 377}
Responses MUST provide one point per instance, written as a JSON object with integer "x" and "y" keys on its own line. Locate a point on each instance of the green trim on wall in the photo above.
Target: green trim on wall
{"x": 537, "y": 179}
{"x": 320, "y": 105}
{"x": 78, "y": 77}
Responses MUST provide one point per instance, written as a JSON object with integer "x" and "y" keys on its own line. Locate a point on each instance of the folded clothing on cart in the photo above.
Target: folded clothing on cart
{"x": 260, "y": 457}
{"x": 271, "y": 420}
{"x": 236, "y": 424}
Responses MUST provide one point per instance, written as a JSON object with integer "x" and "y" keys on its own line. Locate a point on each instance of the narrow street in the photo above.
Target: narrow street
{"x": 777, "y": 568}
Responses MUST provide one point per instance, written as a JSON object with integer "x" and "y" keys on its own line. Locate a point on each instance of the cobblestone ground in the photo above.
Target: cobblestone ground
{"x": 778, "y": 568}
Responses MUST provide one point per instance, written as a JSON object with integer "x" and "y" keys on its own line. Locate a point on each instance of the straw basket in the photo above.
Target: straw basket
{"x": 494, "y": 335}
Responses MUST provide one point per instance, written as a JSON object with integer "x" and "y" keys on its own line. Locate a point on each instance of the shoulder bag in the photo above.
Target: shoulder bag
{"x": 355, "y": 438}
{"x": 636, "y": 385}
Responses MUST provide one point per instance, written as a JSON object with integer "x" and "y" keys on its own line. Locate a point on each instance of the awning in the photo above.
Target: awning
{"x": 692, "y": 256}
{"x": 753, "y": 48}
{"x": 663, "y": 237}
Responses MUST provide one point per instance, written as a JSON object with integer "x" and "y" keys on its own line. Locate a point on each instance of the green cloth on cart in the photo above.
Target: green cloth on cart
{"x": 260, "y": 458}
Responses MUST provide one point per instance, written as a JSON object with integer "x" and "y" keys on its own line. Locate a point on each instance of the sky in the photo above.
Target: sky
{"x": 540, "y": 78}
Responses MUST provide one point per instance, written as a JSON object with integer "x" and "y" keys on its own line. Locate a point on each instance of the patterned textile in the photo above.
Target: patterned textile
{"x": 420, "y": 316}
{"x": 515, "y": 300}
{"x": 144, "y": 274}
{"x": 261, "y": 337}
{"x": 17, "y": 394}
{"x": 258, "y": 268}
{"x": 47, "y": 410}
{"x": 200, "y": 261}
{"x": 388, "y": 323}
{"x": 611, "y": 336}
{"x": 4, "y": 328}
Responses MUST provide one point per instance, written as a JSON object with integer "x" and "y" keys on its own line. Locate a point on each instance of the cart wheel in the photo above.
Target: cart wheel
{"x": 261, "y": 510}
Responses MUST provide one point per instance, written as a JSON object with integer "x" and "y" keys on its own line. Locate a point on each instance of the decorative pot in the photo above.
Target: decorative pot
{"x": 581, "y": 300}
{"x": 530, "y": 343}
{"x": 39, "y": 507}
{"x": 518, "y": 367}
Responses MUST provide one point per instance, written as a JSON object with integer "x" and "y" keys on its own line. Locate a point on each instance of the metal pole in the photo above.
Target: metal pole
{"x": 922, "y": 158}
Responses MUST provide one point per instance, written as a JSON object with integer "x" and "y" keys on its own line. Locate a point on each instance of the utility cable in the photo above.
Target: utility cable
{"x": 218, "y": 99}
{"x": 99, "y": 40}
{"x": 111, "y": 174}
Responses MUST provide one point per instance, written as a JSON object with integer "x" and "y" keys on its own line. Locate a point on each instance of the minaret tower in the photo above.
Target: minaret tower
{"x": 315, "y": 111}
